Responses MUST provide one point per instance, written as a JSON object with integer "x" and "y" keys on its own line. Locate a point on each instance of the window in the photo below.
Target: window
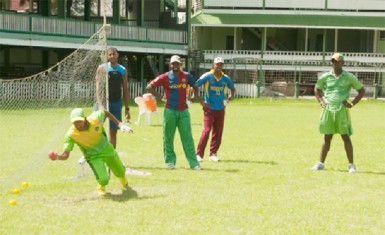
{"x": 229, "y": 42}
{"x": 382, "y": 35}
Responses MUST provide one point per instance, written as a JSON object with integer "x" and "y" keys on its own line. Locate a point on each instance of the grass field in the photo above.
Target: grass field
{"x": 263, "y": 185}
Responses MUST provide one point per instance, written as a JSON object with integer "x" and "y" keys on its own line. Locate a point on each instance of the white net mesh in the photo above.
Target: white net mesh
{"x": 34, "y": 111}
{"x": 243, "y": 70}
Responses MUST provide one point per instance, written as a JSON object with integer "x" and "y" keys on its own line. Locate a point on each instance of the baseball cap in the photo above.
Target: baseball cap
{"x": 175, "y": 58}
{"x": 219, "y": 60}
{"x": 77, "y": 115}
{"x": 338, "y": 57}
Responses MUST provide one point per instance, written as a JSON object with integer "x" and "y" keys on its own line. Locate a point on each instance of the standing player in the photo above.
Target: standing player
{"x": 117, "y": 82}
{"x": 335, "y": 117}
{"x": 88, "y": 133}
{"x": 215, "y": 85}
{"x": 176, "y": 114}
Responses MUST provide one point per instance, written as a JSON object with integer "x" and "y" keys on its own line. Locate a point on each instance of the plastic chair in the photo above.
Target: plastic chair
{"x": 147, "y": 107}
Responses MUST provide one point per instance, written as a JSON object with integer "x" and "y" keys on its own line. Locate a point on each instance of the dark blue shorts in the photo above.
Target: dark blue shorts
{"x": 116, "y": 109}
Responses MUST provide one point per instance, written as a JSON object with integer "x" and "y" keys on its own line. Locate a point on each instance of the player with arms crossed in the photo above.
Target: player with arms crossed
{"x": 332, "y": 92}
{"x": 88, "y": 133}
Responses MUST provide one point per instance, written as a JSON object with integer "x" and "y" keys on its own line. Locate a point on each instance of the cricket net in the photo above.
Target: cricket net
{"x": 244, "y": 71}
{"x": 34, "y": 111}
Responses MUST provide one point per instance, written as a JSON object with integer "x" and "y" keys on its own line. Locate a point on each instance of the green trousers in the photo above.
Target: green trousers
{"x": 181, "y": 120}
{"x": 110, "y": 158}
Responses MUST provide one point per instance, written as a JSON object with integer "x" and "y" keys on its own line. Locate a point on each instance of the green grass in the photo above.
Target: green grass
{"x": 262, "y": 186}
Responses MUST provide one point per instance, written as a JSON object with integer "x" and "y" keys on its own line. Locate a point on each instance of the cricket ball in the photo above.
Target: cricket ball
{"x": 52, "y": 155}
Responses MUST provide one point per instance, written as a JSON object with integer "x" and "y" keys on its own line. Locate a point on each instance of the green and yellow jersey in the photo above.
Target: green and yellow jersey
{"x": 91, "y": 141}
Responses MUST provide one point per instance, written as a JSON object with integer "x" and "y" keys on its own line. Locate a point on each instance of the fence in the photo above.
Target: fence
{"x": 285, "y": 85}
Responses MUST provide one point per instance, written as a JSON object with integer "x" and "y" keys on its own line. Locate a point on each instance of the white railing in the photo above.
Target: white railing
{"x": 292, "y": 56}
{"x": 61, "y": 27}
{"x": 356, "y": 5}
{"x": 168, "y": 36}
{"x": 55, "y": 26}
{"x": 14, "y": 21}
{"x": 232, "y": 3}
{"x": 28, "y": 90}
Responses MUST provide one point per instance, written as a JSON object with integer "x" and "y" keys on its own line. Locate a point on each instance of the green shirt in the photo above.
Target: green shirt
{"x": 91, "y": 141}
{"x": 337, "y": 89}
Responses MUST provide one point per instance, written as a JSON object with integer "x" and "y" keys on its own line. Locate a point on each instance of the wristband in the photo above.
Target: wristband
{"x": 127, "y": 109}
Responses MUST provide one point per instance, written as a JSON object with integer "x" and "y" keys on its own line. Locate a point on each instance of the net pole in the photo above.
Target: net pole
{"x": 104, "y": 12}
{"x": 106, "y": 57}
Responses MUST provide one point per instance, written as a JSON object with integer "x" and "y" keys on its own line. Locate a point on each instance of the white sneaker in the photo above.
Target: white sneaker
{"x": 352, "y": 168}
{"x": 319, "y": 166}
{"x": 199, "y": 158}
{"x": 170, "y": 166}
{"x": 82, "y": 160}
{"x": 214, "y": 158}
{"x": 197, "y": 168}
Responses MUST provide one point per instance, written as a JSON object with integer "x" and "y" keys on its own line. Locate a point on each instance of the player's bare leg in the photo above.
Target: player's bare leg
{"x": 325, "y": 147}
{"x": 348, "y": 147}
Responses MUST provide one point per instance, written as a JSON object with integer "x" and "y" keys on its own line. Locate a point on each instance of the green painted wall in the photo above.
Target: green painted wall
{"x": 380, "y": 45}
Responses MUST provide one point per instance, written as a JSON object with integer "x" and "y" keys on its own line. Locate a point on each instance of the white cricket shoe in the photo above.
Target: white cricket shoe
{"x": 199, "y": 158}
{"x": 214, "y": 158}
{"x": 82, "y": 160}
{"x": 319, "y": 166}
{"x": 170, "y": 166}
{"x": 197, "y": 168}
{"x": 352, "y": 168}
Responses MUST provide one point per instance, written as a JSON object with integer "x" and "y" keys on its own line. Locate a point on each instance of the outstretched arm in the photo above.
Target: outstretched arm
{"x": 63, "y": 156}
{"x": 98, "y": 79}
{"x": 123, "y": 127}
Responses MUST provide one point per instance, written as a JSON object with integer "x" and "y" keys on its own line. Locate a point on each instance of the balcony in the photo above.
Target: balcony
{"x": 33, "y": 30}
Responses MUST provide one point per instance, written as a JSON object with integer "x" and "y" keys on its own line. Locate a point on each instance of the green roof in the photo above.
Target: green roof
{"x": 285, "y": 20}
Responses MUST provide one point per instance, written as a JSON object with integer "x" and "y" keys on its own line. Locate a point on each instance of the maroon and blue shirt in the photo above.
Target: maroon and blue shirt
{"x": 175, "y": 88}
{"x": 215, "y": 89}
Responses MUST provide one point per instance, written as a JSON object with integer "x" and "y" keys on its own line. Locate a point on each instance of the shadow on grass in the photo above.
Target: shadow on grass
{"x": 182, "y": 168}
{"x": 222, "y": 170}
{"x": 179, "y": 169}
{"x": 125, "y": 195}
{"x": 358, "y": 171}
{"x": 372, "y": 172}
{"x": 248, "y": 161}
